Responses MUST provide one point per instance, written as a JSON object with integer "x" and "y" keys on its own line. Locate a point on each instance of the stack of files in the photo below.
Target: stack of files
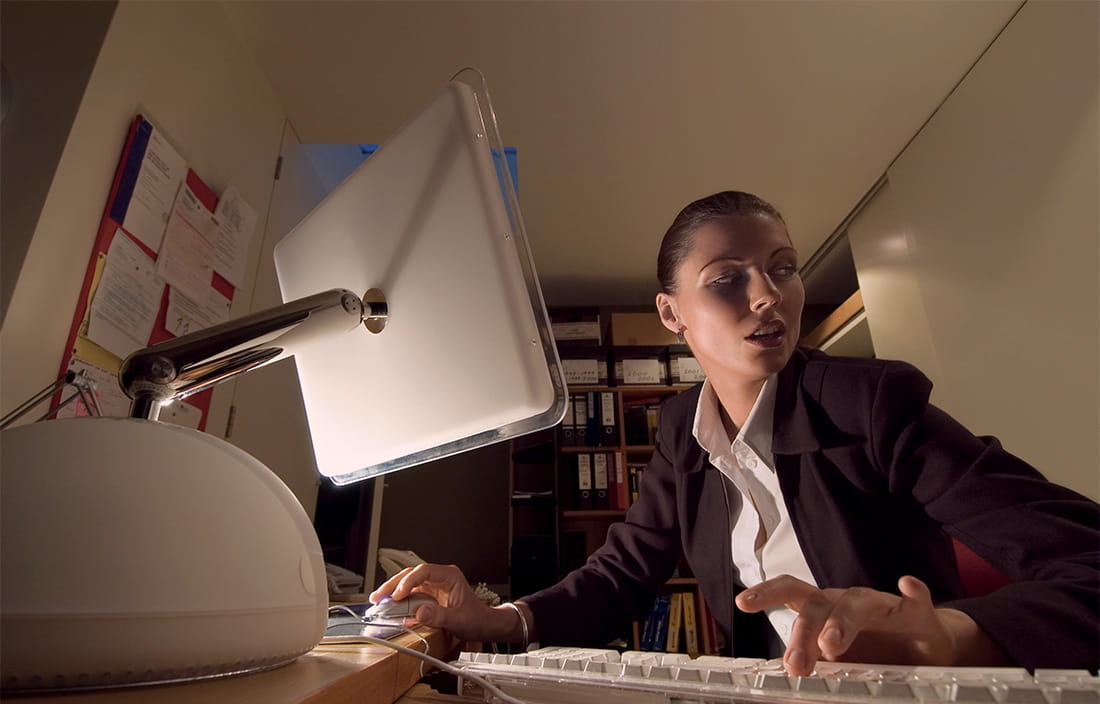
{"x": 591, "y": 420}
{"x": 599, "y": 480}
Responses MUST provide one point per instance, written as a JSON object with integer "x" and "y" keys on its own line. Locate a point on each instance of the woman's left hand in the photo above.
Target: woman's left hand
{"x": 863, "y": 625}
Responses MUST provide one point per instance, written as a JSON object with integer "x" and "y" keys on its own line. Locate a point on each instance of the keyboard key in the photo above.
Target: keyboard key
{"x": 1047, "y": 676}
{"x": 1080, "y": 696}
{"x": 774, "y": 682}
{"x": 1023, "y": 693}
{"x": 719, "y": 677}
{"x": 853, "y": 687}
{"x": 896, "y": 690}
{"x": 688, "y": 674}
{"x": 973, "y": 693}
{"x": 813, "y": 685}
{"x": 660, "y": 672}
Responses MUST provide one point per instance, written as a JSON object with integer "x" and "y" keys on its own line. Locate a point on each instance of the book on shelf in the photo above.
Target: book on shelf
{"x": 580, "y": 416}
{"x": 609, "y": 426}
{"x": 691, "y": 629}
{"x": 635, "y": 471}
{"x": 640, "y": 420}
{"x": 655, "y": 632}
{"x": 601, "y": 500}
{"x": 675, "y": 621}
{"x": 612, "y": 483}
{"x": 652, "y": 415}
{"x": 569, "y": 422}
{"x": 583, "y": 497}
{"x": 711, "y": 638}
{"x": 592, "y": 418}
{"x": 622, "y": 482}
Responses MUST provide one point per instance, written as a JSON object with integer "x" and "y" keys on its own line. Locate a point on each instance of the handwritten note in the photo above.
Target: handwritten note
{"x": 186, "y": 315}
{"x": 235, "y": 227}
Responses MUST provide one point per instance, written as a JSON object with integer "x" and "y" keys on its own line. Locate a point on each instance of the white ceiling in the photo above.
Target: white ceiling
{"x": 622, "y": 112}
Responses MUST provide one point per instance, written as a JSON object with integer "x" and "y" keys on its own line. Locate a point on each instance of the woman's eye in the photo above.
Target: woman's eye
{"x": 785, "y": 271}
{"x": 731, "y": 279}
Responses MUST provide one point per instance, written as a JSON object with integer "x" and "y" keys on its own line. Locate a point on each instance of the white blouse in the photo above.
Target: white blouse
{"x": 764, "y": 544}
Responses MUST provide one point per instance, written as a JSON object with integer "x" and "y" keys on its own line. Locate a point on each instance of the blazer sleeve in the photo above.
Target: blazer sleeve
{"x": 596, "y": 602}
{"x": 1044, "y": 537}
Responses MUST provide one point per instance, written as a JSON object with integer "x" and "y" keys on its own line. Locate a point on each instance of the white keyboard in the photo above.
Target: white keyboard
{"x": 608, "y": 677}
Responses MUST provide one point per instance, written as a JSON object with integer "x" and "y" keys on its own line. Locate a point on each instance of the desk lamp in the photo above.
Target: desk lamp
{"x": 138, "y": 552}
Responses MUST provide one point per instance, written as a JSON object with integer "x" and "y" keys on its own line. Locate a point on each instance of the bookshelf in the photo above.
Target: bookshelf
{"x": 552, "y": 535}
{"x": 627, "y": 449}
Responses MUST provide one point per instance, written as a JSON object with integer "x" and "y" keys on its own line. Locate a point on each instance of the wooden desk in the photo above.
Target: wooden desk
{"x": 328, "y": 674}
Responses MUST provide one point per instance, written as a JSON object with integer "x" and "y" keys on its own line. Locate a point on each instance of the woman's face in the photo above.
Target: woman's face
{"x": 739, "y": 297}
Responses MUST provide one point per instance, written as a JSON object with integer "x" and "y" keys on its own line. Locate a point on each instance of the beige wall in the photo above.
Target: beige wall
{"x": 991, "y": 215}
{"x": 48, "y": 51}
{"x": 181, "y": 66}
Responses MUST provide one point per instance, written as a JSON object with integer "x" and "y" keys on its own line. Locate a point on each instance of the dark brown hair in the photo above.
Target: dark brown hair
{"x": 678, "y": 239}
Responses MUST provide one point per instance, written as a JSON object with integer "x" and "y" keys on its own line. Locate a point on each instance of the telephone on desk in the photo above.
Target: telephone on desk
{"x": 393, "y": 561}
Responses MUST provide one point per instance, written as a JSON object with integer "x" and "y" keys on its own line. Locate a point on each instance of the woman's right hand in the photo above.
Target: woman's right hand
{"x": 459, "y": 610}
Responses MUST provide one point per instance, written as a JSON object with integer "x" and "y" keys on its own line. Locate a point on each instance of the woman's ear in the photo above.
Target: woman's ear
{"x": 666, "y": 310}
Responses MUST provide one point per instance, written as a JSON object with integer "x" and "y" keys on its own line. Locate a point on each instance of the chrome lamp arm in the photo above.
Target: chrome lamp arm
{"x": 185, "y": 365}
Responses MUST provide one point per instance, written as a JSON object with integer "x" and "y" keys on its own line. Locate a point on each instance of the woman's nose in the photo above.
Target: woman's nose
{"x": 763, "y": 294}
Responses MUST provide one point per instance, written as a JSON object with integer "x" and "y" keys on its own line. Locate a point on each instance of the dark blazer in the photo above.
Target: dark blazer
{"x": 876, "y": 481}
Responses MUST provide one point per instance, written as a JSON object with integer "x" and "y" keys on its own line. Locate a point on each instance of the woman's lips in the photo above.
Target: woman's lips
{"x": 768, "y": 334}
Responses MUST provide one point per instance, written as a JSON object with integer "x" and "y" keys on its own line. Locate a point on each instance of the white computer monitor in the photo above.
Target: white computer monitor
{"x": 465, "y": 357}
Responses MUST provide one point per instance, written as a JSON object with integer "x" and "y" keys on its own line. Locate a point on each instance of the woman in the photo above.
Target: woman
{"x": 813, "y": 497}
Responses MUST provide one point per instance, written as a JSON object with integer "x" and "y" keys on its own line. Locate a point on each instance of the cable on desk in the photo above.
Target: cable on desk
{"x": 424, "y": 657}
{"x": 447, "y": 667}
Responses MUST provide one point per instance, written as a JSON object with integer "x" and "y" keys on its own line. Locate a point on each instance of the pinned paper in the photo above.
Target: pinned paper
{"x": 126, "y": 300}
{"x": 235, "y": 227}
{"x": 186, "y": 257}
{"x": 162, "y": 171}
{"x": 181, "y": 413}
{"x": 185, "y": 315}
{"x": 112, "y": 400}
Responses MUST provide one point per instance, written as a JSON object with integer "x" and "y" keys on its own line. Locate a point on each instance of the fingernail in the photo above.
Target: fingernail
{"x": 748, "y": 596}
{"x": 798, "y": 661}
{"x": 834, "y": 635}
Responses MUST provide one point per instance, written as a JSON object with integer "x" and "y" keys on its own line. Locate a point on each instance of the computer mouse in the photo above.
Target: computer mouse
{"x": 392, "y": 612}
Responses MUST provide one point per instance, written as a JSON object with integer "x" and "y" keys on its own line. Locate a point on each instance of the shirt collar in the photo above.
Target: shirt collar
{"x": 756, "y": 431}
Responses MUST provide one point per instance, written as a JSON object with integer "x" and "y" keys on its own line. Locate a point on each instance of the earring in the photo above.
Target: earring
{"x": 680, "y": 335}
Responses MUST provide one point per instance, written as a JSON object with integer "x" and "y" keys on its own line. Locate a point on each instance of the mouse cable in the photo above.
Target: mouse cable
{"x": 446, "y": 667}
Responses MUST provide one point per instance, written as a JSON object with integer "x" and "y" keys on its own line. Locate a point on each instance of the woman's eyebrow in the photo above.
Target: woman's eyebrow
{"x": 741, "y": 260}
{"x": 722, "y": 260}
